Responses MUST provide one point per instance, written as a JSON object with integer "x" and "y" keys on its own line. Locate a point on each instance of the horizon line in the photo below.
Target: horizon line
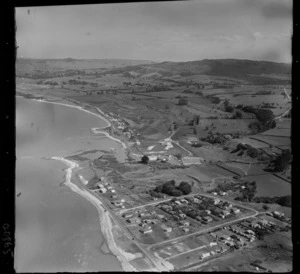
{"x": 90, "y": 59}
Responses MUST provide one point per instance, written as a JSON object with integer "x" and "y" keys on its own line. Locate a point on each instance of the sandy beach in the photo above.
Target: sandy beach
{"x": 105, "y": 221}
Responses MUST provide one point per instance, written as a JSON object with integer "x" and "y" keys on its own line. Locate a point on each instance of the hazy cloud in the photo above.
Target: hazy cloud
{"x": 182, "y": 30}
{"x": 278, "y": 9}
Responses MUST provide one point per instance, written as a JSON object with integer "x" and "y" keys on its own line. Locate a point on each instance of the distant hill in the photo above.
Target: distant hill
{"x": 256, "y": 72}
{"x": 32, "y": 65}
{"x": 234, "y": 68}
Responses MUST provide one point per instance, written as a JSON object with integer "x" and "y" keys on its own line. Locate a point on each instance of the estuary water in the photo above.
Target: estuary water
{"x": 56, "y": 229}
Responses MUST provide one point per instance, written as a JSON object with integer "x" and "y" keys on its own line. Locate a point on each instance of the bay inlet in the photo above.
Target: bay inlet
{"x": 56, "y": 229}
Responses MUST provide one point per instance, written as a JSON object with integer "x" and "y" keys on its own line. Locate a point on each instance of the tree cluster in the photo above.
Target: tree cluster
{"x": 283, "y": 200}
{"x": 282, "y": 161}
{"x": 171, "y": 189}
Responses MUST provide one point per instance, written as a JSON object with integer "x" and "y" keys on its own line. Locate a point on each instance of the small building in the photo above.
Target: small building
{"x": 152, "y": 158}
{"x": 100, "y": 185}
{"x": 133, "y": 220}
{"x": 225, "y": 212}
{"x": 146, "y": 230}
{"x": 216, "y": 201}
{"x": 263, "y": 222}
{"x": 113, "y": 191}
{"x": 235, "y": 210}
{"x": 185, "y": 229}
{"x": 177, "y": 202}
{"x": 250, "y": 232}
{"x": 114, "y": 196}
{"x": 204, "y": 255}
{"x": 184, "y": 201}
{"x": 166, "y": 228}
{"x": 278, "y": 214}
{"x": 148, "y": 221}
{"x": 127, "y": 215}
{"x": 182, "y": 215}
{"x": 184, "y": 223}
{"x": 208, "y": 211}
{"x": 198, "y": 218}
{"x": 207, "y": 219}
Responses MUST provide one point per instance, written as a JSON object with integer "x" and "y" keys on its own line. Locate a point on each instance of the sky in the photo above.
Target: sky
{"x": 158, "y": 31}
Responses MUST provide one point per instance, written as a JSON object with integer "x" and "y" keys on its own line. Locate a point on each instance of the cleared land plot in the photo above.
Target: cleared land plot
{"x": 270, "y": 186}
{"x": 274, "y": 140}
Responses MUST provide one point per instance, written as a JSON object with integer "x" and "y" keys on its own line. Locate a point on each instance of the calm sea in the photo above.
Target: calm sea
{"x": 56, "y": 229}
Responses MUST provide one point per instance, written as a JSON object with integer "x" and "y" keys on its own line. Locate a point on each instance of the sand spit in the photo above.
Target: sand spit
{"x": 105, "y": 221}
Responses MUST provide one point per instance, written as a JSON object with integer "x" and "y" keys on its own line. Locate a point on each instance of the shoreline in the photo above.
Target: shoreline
{"x": 104, "y": 216}
{"x": 94, "y": 130}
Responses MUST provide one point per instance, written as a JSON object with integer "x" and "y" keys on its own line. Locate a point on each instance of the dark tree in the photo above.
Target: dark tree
{"x": 185, "y": 188}
{"x": 182, "y": 101}
{"x": 238, "y": 115}
{"x": 282, "y": 161}
{"x": 145, "y": 159}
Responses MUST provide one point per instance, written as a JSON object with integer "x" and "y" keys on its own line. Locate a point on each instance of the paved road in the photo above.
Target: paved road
{"x": 159, "y": 264}
{"x": 205, "y": 230}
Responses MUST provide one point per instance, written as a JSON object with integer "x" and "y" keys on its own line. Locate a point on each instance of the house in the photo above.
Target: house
{"x": 255, "y": 224}
{"x": 230, "y": 243}
{"x": 152, "y": 158}
{"x": 213, "y": 244}
{"x": 146, "y": 230}
{"x": 182, "y": 215}
{"x": 235, "y": 210}
{"x": 216, "y": 201}
{"x": 133, "y": 220}
{"x": 166, "y": 228}
{"x": 103, "y": 190}
{"x": 208, "y": 211}
{"x": 196, "y": 200}
{"x": 113, "y": 191}
{"x": 250, "y": 232}
{"x": 215, "y": 193}
{"x": 177, "y": 202}
{"x": 160, "y": 216}
{"x": 278, "y": 214}
{"x": 184, "y": 223}
{"x": 207, "y": 219}
{"x": 263, "y": 222}
{"x": 185, "y": 229}
{"x": 198, "y": 218}
{"x": 127, "y": 215}
{"x": 114, "y": 196}
{"x": 184, "y": 201}
{"x": 204, "y": 255}
{"x": 100, "y": 185}
{"x": 225, "y": 212}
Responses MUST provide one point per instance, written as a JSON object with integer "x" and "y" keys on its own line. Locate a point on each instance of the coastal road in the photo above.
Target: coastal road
{"x": 158, "y": 263}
